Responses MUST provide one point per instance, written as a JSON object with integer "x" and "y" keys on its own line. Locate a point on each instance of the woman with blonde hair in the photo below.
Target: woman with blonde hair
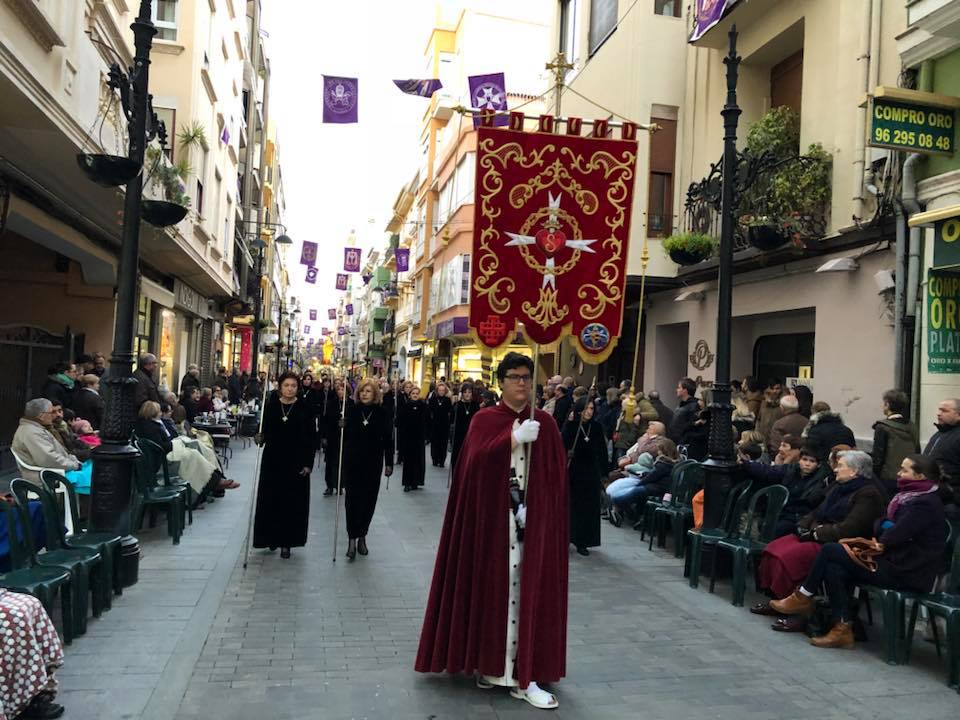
{"x": 367, "y": 454}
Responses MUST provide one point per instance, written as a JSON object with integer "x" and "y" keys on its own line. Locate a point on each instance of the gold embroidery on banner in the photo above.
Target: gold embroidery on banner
{"x": 546, "y": 312}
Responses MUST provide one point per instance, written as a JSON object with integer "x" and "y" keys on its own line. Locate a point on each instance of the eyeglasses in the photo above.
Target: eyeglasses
{"x": 513, "y": 377}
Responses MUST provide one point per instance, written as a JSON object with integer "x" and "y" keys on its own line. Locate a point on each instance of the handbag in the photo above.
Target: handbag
{"x": 862, "y": 551}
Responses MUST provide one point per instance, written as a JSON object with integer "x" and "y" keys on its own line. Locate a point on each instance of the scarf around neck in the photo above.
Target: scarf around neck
{"x": 67, "y": 382}
{"x": 837, "y": 505}
{"x": 908, "y": 491}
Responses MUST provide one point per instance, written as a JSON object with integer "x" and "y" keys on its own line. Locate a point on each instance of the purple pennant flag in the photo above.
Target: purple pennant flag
{"x": 339, "y": 99}
{"x": 422, "y": 88}
{"x": 707, "y": 14}
{"x": 306, "y": 329}
{"x": 341, "y": 330}
{"x": 312, "y": 275}
{"x": 332, "y": 314}
{"x": 349, "y": 309}
{"x": 225, "y": 136}
{"x": 351, "y": 259}
{"x": 403, "y": 259}
{"x": 308, "y": 255}
{"x": 341, "y": 281}
{"x": 313, "y": 315}
{"x": 489, "y": 92}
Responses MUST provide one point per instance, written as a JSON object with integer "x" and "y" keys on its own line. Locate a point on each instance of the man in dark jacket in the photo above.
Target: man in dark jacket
{"x": 826, "y": 430}
{"x": 686, "y": 412}
{"x": 146, "y": 386}
{"x": 191, "y": 379}
{"x": 61, "y": 383}
{"x": 664, "y": 414}
{"x": 894, "y": 438}
{"x": 87, "y": 403}
{"x": 235, "y": 387}
{"x": 944, "y": 448}
{"x": 563, "y": 405}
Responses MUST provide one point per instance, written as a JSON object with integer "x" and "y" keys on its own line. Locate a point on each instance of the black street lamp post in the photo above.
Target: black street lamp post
{"x": 112, "y": 487}
{"x": 720, "y": 463}
{"x": 260, "y": 245}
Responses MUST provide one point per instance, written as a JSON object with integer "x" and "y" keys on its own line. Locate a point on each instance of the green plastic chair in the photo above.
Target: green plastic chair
{"x": 159, "y": 458}
{"x": 735, "y": 505}
{"x": 26, "y": 576}
{"x": 944, "y": 604}
{"x": 744, "y": 547}
{"x": 148, "y": 496}
{"x": 91, "y": 575}
{"x": 653, "y": 503}
{"x": 105, "y": 543}
{"x": 679, "y": 511}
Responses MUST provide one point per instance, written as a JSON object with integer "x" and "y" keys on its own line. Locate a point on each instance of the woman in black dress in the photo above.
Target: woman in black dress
{"x": 412, "y": 420}
{"x": 441, "y": 411}
{"x": 463, "y": 413}
{"x": 331, "y": 430}
{"x": 367, "y": 448}
{"x": 587, "y": 465}
{"x": 283, "y": 493}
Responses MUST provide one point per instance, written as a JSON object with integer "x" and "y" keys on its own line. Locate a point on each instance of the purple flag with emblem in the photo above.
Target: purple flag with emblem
{"x": 349, "y": 309}
{"x": 332, "y": 314}
{"x": 403, "y": 259}
{"x": 489, "y": 92}
{"x": 308, "y": 255}
{"x": 422, "y": 88}
{"x": 351, "y": 259}
{"x": 306, "y": 329}
{"x": 708, "y": 13}
{"x": 312, "y": 275}
{"x": 341, "y": 281}
{"x": 341, "y": 330}
{"x": 313, "y": 314}
{"x": 339, "y": 99}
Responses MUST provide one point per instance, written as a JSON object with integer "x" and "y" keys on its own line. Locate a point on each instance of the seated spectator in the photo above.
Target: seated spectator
{"x": 30, "y": 652}
{"x": 788, "y": 451}
{"x": 805, "y": 479}
{"x": 60, "y": 384}
{"x": 649, "y": 442}
{"x": 753, "y": 437}
{"x": 652, "y": 485}
{"x": 894, "y": 438}
{"x": 188, "y": 400}
{"x": 791, "y": 422}
{"x": 849, "y": 509}
{"x": 84, "y": 432}
{"x": 87, "y": 402}
{"x": 907, "y": 553}
{"x": 626, "y": 435}
{"x": 205, "y": 403}
{"x": 826, "y": 429}
{"x": 35, "y": 443}
{"x": 944, "y": 448}
{"x": 219, "y": 404}
{"x": 61, "y": 430}
{"x": 177, "y": 411}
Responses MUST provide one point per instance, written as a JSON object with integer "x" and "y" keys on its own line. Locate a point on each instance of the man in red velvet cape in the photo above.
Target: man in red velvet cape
{"x": 498, "y": 603}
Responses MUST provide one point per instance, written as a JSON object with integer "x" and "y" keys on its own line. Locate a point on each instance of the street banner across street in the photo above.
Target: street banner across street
{"x": 340, "y": 99}
{"x": 351, "y": 259}
{"x": 311, "y": 275}
{"x": 308, "y": 254}
{"x": 341, "y": 281}
{"x": 551, "y": 231}
{"x": 489, "y": 92}
{"x": 403, "y": 259}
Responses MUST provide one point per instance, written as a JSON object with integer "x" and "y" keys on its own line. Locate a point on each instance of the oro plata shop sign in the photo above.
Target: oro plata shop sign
{"x": 906, "y": 123}
{"x": 943, "y": 321}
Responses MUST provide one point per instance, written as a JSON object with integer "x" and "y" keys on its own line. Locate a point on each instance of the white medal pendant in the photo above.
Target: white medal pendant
{"x": 284, "y": 418}
{"x": 366, "y": 422}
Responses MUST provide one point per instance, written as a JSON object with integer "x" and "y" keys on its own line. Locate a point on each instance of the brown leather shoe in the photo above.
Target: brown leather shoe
{"x": 795, "y": 604}
{"x": 840, "y": 636}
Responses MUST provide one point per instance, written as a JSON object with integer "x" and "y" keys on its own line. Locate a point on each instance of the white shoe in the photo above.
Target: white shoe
{"x": 483, "y": 683}
{"x": 535, "y": 696}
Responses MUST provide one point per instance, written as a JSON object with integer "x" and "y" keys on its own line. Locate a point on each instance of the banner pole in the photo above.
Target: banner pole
{"x": 336, "y": 522}
{"x": 256, "y": 479}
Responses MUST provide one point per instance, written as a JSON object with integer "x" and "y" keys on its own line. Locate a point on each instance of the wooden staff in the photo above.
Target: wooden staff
{"x": 343, "y": 424}
{"x": 454, "y": 438}
{"x": 256, "y": 478}
{"x": 533, "y": 409}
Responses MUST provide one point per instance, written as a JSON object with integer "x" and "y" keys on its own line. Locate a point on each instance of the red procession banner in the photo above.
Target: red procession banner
{"x": 552, "y": 227}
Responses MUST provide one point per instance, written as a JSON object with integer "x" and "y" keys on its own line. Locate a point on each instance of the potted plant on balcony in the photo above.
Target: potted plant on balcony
{"x": 690, "y": 248}
{"x": 764, "y": 232}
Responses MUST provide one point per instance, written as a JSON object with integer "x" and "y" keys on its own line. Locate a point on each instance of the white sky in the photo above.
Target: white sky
{"x": 339, "y": 177}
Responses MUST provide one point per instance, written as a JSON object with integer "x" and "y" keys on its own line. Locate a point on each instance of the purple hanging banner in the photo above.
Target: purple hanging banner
{"x": 225, "y": 136}
{"x": 708, "y": 13}
{"x": 312, "y": 275}
{"x": 313, "y": 315}
{"x": 306, "y": 329}
{"x": 341, "y": 330}
{"x": 332, "y": 314}
{"x": 403, "y": 259}
{"x": 422, "y": 88}
{"x": 308, "y": 255}
{"x": 341, "y": 281}
{"x": 349, "y": 308}
{"x": 340, "y": 99}
{"x": 351, "y": 259}
{"x": 489, "y": 92}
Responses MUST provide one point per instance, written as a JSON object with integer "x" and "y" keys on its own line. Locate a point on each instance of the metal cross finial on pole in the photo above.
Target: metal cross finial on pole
{"x": 720, "y": 457}
{"x": 559, "y": 68}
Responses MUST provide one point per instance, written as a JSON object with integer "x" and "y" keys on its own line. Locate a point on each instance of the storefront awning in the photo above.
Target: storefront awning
{"x": 929, "y": 218}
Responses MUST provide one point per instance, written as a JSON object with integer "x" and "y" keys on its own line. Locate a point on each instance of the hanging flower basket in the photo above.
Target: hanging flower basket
{"x": 685, "y": 257}
{"x": 766, "y": 237}
{"x": 108, "y": 170}
{"x": 162, "y": 213}
{"x": 690, "y": 248}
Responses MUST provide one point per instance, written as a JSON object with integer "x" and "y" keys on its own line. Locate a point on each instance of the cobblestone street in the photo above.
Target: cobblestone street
{"x": 306, "y": 638}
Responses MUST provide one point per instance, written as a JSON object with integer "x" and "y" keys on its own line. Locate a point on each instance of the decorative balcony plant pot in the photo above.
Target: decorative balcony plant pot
{"x": 766, "y": 237}
{"x": 162, "y": 213}
{"x": 689, "y": 248}
{"x": 108, "y": 170}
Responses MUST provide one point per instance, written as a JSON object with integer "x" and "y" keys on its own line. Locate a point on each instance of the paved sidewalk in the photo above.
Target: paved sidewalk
{"x": 308, "y": 638}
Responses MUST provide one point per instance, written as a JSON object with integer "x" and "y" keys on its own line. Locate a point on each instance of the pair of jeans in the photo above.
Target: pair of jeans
{"x": 626, "y": 497}
{"x": 838, "y": 573}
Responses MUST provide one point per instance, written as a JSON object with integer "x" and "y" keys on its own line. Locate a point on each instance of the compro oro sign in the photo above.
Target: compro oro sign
{"x": 913, "y": 121}
{"x": 943, "y": 321}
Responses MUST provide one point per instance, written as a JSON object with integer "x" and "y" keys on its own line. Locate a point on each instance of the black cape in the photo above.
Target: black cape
{"x": 412, "y": 420}
{"x": 368, "y": 446}
{"x": 462, "y": 415}
{"x": 588, "y": 465}
{"x": 441, "y": 412}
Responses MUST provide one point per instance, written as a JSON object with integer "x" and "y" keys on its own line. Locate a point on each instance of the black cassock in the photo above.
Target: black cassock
{"x": 402, "y": 400}
{"x": 283, "y": 494}
{"x": 462, "y": 415}
{"x": 368, "y": 445}
{"x": 441, "y": 411}
{"x": 412, "y": 421}
{"x": 586, "y": 471}
{"x": 331, "y": 434}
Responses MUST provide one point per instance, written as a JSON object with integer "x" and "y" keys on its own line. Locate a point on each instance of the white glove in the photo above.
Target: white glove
{"x": 521, "y": 516}
{"x": 526, "y": 432}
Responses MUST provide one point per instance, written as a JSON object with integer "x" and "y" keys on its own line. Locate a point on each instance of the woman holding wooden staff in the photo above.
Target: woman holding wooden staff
{"x": 332, "y": 434}
{"x": 587, "y": 466}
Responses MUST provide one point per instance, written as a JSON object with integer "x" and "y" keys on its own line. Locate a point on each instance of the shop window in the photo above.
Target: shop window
{"x": 663, "y": 156}
{"x": 603, "y": 21}
{"x": 569, "y": 29}
{"x": 670, "y": 8}
{"x": 782, "y": 355}
{"x": 786, "y": 82}
{"x": 165, "y": 19}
